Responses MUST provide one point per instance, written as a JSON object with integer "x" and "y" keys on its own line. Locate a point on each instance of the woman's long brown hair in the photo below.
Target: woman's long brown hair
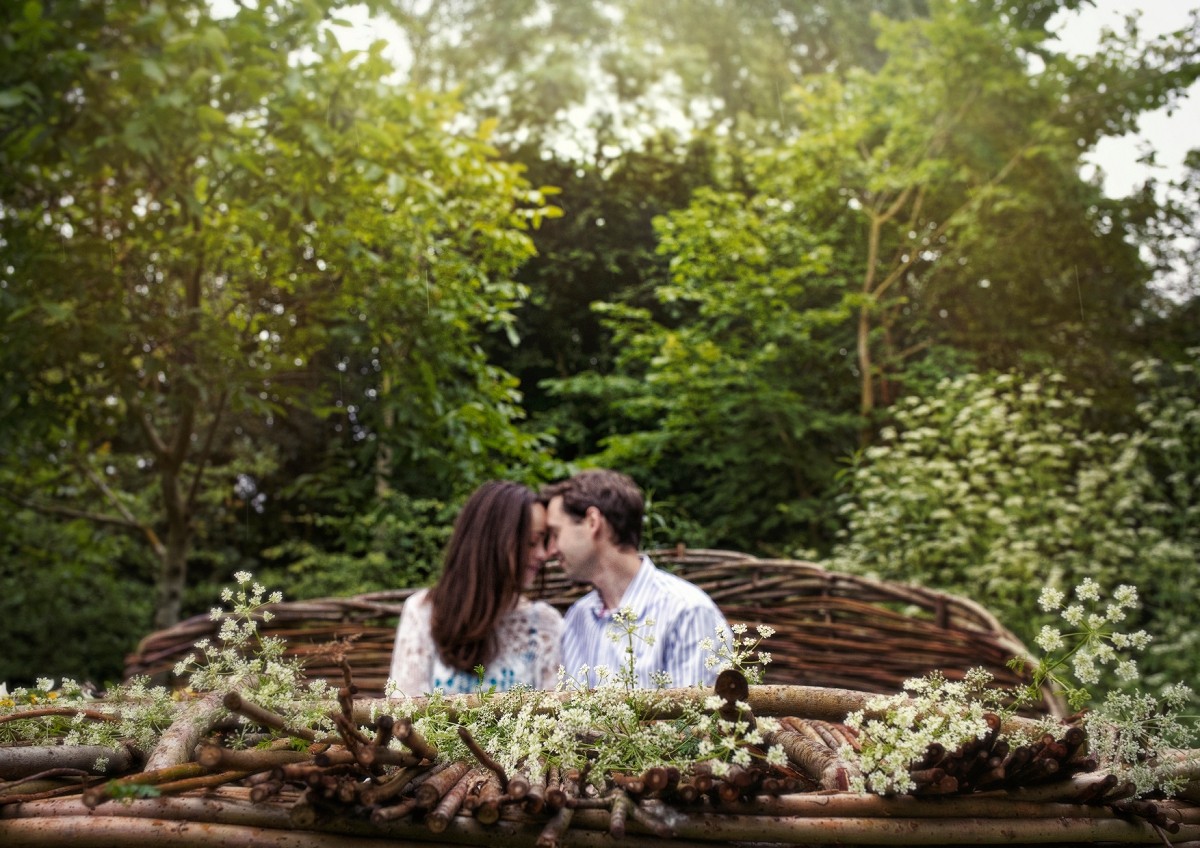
{"x": 482, "y": 576}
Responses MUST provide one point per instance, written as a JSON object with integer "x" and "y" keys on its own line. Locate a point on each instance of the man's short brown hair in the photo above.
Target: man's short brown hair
{"x": 615, "y": 494}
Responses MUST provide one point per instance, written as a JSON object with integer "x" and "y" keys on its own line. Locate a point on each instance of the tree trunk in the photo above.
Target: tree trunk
{"x": 172, "y": 569}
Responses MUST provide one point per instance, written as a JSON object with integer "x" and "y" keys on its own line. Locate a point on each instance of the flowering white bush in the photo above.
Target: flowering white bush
{"x": 896, "y": 731}
{"x": 997, "y": 483}
{"x": 1133, "y": 736}
{"x": 239, "y": 659}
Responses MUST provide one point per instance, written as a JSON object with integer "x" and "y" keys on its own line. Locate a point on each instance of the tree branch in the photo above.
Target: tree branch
{"x": 205, "y": 453}
{"x": 130, "y": 519}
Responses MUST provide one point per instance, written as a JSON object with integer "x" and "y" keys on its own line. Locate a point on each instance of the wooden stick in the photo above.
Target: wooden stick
{"x": 554, "y": 830}
{"x": 38, "y": 790}
{"x": 87, "y": 832}
{"x": 484, "y": 759}
{"x": 621, "y": 806}
{"x": 899, "y": 831}
{"x": 389, "y": 788}
{"x": 491, "y": 794}
{"x": 448, "y": 807}
{"x": 404, "y": 731}
{"x": 23, "y": 760}
{"x": 66, "y": 712}
{"x": 430, "y": 791}
{"x": 535, "y": 798}
{"x": 235, "y": 703}
{"x": 176, "y": 744}
{"x": 213, "y": 756}
{"x": 205, "y": 781}
{"x": 810, "y": 702}
{"x": 97, "y": 795}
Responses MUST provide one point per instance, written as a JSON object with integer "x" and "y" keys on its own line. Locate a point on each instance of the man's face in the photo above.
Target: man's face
{"x": 571, "y": 541}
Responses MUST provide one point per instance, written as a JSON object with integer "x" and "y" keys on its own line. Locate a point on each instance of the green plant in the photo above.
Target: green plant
{"x": 997, "y": 481}
{"x": 256, "y": 665}
{"x": 1134, "y": 736}
{"x": 606, "y": 728}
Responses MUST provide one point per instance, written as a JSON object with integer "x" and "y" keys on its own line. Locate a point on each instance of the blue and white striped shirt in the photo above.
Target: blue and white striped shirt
{"x": 682, "y": 613}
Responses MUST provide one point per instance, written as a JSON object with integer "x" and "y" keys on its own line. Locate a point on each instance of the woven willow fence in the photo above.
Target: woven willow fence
{"x": 832, "y": 629}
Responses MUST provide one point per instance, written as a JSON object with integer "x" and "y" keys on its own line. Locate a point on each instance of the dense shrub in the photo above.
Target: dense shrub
{"x": 76, "y": 600}
{"x": 395, "y": 545}
{"x": 997, "y": 486}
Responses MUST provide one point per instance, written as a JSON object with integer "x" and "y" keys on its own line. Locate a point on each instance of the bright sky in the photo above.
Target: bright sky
{"x": 1171, "y": 136}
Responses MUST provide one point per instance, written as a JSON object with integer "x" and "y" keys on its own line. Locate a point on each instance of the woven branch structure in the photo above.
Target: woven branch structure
{"x": 832, "y": 629}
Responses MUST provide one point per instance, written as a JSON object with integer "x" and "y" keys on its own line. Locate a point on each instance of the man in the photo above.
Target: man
{"x": 594, "y": 528}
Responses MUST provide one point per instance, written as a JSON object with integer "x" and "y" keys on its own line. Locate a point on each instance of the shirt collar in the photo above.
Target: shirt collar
{"x": 643, "y": 576}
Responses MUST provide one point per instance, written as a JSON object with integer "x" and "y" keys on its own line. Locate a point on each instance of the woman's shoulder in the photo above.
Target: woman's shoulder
{"x": 542, "y": 613}
{"x": 535, "y": 610}
{"x": 417, "y": 601}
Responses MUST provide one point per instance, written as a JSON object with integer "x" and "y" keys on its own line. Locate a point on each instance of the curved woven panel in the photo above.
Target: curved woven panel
{"x": 310, "y": 629}
{"x": 831, "y": 628}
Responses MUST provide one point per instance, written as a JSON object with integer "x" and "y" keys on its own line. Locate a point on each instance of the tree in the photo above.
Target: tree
{"x": 926, "y": 218}
{"x": 209, "y": 222}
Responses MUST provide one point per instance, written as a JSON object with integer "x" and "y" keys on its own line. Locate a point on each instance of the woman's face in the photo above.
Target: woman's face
{"x": 535, "y": 552}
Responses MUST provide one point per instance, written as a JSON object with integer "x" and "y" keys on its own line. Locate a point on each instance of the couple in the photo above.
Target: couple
{"x": 476, "y": 615}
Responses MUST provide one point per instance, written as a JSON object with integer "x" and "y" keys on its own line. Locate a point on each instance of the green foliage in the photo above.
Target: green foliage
{"x": 75, "y": 600}
{"x": 397, "y": 544}
{"x": 539, "y": 67}
{"x": 994, "y": 483}
{"x": 918, "y": 223}
{"x": 256, "y": 295}
{"x": 218, "y": 229}
{"x": 735, "y": 387}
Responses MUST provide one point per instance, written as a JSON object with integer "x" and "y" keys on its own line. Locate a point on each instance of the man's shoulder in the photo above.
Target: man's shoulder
{"x": 681, "y": 589}
{"x": 581, "y": 604}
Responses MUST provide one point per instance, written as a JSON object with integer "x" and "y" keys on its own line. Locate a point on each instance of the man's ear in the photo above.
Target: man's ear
{"x": 596, "y": 522}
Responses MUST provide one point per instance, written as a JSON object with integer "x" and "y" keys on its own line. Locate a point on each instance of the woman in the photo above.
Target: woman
{"x": 476, "y": 614}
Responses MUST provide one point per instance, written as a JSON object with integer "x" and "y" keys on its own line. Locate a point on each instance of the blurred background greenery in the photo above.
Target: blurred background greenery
{"x": 832, "y": 281}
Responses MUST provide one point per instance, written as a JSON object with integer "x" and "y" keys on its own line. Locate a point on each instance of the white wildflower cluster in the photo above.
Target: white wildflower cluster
{"x": 1089, "y": 640}
{"x": 142, "y": 713}
{"x": 626, "y": 628}
{"x": 734, "y": 740}
{"x": 896, "y": 731}
{"x": 740, "y": 653}
{"x": 1142, "y": 739}
{"x": 242, "y": 659}
{"x": 602, "y": 729}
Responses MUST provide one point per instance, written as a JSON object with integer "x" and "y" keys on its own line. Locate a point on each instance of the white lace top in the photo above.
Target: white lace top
{"x": 528, "y": 652}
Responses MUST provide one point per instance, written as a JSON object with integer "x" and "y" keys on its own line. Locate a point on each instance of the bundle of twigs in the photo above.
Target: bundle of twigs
{"x": 383, "y": 779}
